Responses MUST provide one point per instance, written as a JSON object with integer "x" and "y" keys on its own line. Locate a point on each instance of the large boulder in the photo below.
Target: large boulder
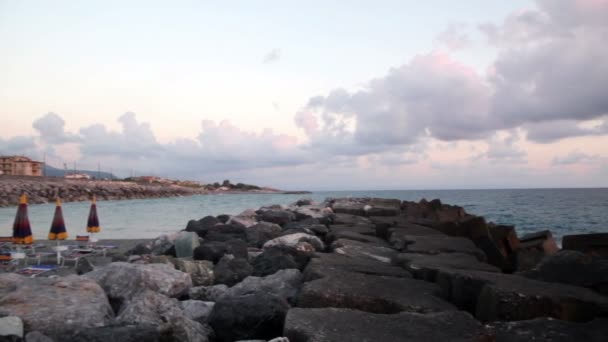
{"x": 202, "y": 226}
{"x": 533, "y": 248}
{"x": 327, "y": 264}
{"x": 151, "y": 308}
{"x": 261, "y": 232}
{"x": 435, "y": 244}
{"x": 279, "y": 257}
{"x": 549, "y": 329}
{"x": 225, "y": 232}
{"x": 200, "y": 271}
{"x": 54, "y": 305}
{"x": 348, "y": 219}
{"x": 163, "y": 245}
{"x": 284, "y": 284}
{"x": 377, "y": 294}
{"x": 278, "y": 216}
{"x": 230, "y": 270}
{"x": 348, "y": 207}
{"x": 574, "y": 268}
{"x": 215, "y": 250}
{"x": 594, "y": 244}
{"x": 425, "y": 266}
{"x": 121, "y": 281}
{"x": 11, "y": 328}
{"x": 208, "y": 293}
{"x": 338, "y": 325}
{"x": 294, "y": 239}
{"x": 257, "y": 315}
{"x": 352, "y": 248}
{"x": 496, "y": 296}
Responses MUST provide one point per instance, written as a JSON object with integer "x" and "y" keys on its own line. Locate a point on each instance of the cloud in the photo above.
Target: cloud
{"x": 552, "y": 131}
{"x": 51, "y": 128}
{"x": 502, "y": 148}
{"x": 17, "y": 145}
{"x": 272, "y": 57}
{"x": 454, "y": 37}
{"x": 551, "y": 67}
{"x": 575, "y": 157}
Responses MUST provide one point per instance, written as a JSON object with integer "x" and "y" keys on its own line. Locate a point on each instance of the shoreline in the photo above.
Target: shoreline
{"x": 42, "y": 190}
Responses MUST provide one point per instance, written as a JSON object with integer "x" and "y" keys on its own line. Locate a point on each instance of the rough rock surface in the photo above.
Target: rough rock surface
{"x": 549, "y": 329}
{"x": 353, "y": 248}
{"x": 52, "y": 306}
{"x": 278, "y": 258}
{"x": 371, "y": 293}
{"x": 425, "y": 266}
{"x": 116, "y": 333}
{"x": 259, "y": 233}
{"x": 338, "y": 325}
{"x": 200, "y": 271}
{"x": 293, "y": 240}
{"x": 232, "y": 270}
{"x": 284, "y": 284}
{"x": 253, "y": 316}
{"x": 208, "y": 293}
{"x": 121, "y": 280}
{"x": 197, "y": 310}
{"x": 325, "y": 264}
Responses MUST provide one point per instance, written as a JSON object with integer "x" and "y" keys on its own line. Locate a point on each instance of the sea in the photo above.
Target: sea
{"x": 563, "y": 211}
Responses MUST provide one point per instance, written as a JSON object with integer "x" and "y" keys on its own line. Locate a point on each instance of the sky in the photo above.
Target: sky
{"x": 312, "y": 95}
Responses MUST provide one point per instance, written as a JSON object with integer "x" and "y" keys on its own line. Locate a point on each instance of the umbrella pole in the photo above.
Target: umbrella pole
{"x": 58, "y": 253}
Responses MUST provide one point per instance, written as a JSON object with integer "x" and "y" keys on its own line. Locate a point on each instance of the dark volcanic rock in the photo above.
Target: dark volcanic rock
{"x": 533, "y": 248}
{"x": 435, "y": 244}
{"x": 201, "y": 226}
{"x": 214, "y": 250}
{"x": 327, "y": 264}
{"x": 356, "y": 237}
{"x": 253, "y": 316}
{"x": 495, "y": 296}
{"x": 285, "y": 284}
{"x": 279, "y": 257}
{"x": 338, "y": 325}
{"x": 550, "y": 330}
{"x": 371, "y": 293}
{"x": 574, "y": 268}
{"x": 594, "y": 244}
{"x": 261, "y": 232}
{"x": 230, "y": 270}
{"x": 280, "y": 217}
{"x": 348, "y": 219}
{"x": 348, "y": 207}
{"x": 225, "y": 232}
{"x": 424, "y": 266}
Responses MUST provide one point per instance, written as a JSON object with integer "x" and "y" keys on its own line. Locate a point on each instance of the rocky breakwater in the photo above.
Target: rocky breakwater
{"x": 342, "y": 270}
{"x": 45, "y": 189}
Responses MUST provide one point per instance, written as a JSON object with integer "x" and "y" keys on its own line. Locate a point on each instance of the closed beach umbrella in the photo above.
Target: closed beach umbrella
{"x": 22, "y": 231}
{"x": 93, "y": 222}
{"x": 58, "y": 231}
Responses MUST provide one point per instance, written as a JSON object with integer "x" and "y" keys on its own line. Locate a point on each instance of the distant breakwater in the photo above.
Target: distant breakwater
{"x": 45, "y": 189}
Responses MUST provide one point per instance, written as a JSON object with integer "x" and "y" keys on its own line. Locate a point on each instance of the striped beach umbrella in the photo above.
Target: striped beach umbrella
{"x": 22, "y": 231}
{"x": 58, "y": 231}
{"x": 93, "y": 222}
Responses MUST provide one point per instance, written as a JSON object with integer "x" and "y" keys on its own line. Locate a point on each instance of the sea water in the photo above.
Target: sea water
{"x": 563, "y": 211}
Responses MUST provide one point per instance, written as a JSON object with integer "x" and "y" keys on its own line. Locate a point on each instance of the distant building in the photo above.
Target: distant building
{"x": 20, "y": 166}
{"x": 77, "y": 176}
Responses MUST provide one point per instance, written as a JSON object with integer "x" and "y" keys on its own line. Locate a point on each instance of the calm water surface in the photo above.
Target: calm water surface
{"x": 563, "y": 211}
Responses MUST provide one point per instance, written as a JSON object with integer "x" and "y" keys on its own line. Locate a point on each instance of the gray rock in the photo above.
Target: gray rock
{"x": 37, "y": 336}
{"x": 261, "y": 232}
{"x": 496, "y": 296}
{"x": 357, "y": 237}
{"x": 278, "y": 216}
{"x": 121, "y": 281}
{"x": 252, "y": 316}
{"x": 151, "y": 308}
{"x": 197, "y": 310}
{"x": 377, "y": 294}
{"x": 426, "y": 267}
{"x": 230, "y": 270}
{"x": 338, "y": 325}
{"x": 53, "y": 305}
{"x": 185, "y": 243}
{"x": 348, "y": 219}
{"x": 226, "y": 232}
{"x": 284, "y": 284}
{"x": 208, "y": 293}
{"x": 349, "y": 207}
{"x": 293, "y": 240}
{"x": 549, "y": 329}
{"x": 162, "y": 245}
{"x": 353, "y": 248}
{"x": 200, "y": 271}
{"x": 325, "y": 264}
{"x": 11, "y": 326}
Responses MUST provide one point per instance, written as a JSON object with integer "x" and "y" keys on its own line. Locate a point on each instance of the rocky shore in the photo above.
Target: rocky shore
{"x": 342, "y": 270}
{"x": 45, "y": 189}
